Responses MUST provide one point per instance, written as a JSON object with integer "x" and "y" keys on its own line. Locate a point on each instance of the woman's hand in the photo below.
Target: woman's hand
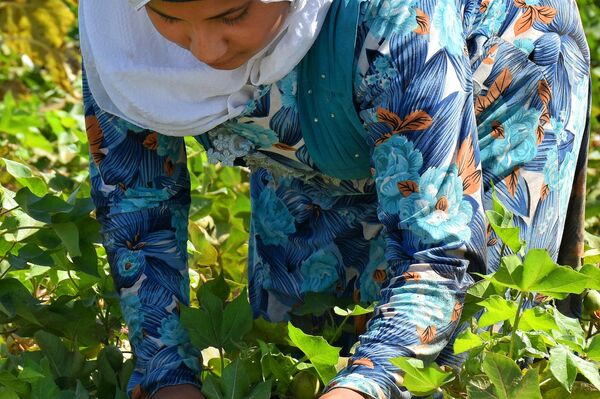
{"x": 186, "y": 391}
{"x": 342, "y": 393}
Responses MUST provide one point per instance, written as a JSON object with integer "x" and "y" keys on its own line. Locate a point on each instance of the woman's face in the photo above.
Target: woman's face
{"x": 223, "y": 34}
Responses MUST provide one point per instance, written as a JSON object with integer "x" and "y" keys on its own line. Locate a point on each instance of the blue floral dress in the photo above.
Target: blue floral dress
{"x": 454, "y": 95}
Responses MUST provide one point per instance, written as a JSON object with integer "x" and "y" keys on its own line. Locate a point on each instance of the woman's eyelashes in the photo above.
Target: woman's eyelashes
{"x": 236, "y": 19}
{"x": 225, "y": 19}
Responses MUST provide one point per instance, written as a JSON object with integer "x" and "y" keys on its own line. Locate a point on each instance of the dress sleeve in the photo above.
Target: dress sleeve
{"x": 417, "y": 105}
{"x": 140, "y": 187}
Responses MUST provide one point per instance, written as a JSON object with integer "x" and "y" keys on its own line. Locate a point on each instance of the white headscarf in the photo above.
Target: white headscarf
{"x": 135, "y": 73}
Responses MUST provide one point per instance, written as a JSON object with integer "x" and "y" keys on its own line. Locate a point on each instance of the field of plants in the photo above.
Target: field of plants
{"x": 62, "y": 334}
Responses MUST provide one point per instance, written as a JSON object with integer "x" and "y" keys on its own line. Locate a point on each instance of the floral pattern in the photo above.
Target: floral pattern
{"x": 454, "y": 95}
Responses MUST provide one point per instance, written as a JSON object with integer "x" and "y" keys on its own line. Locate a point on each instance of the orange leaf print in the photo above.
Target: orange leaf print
{"x": 151, "y": 141}
{"x": 362, "y": 362}
{"x": 383, "y": 115}
{"x": 544, "y": 91}
{"x": 407, "y": 187}
{"x": 423, "y": 22}
{"x": 95, "y": 137}
{"x": 512, "y": 181}
{"x": 545, "y": 14}
{"x": 418, "y": 120}
{"x": 484, "y": 6}
{"x": 526, "y": 20}
{"x": 544, "y": 192}
{"x": 169, "y": 166}
{"x": 521, "y": 3}
{"x": 284, "y": 147}
{"x": 379, "y": 275}
{"x": 497, "y": 130}
{"x": 540, "y": 133}
{"x": 411, "y": 276}
{"x": 502, "y": 82}
{"x": 442, "y": 204}
{"x": 458, "y": 307}
{"x": 427, "y": 335}
{"x": 492, "y": 242}
{"x": 467, "y": 170}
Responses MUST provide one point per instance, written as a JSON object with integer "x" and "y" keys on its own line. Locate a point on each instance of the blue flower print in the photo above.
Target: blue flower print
{"x": 131, "y": 308}
{"x": 525, "y": 45}
{"x": 274, "y": 222}
{"x": 130, "y": 263}
{"x": 494, "y": 17}
{"x": 369, "y": 288}
{"x": 448, "y": 23}
{"x": 139, "y": 198}
{"x": 179, "y": 221}
{"x": 289, "y": 87}
{"x": 398, "y": 16}
{"x": 171, "y": 332}
{"x": 384, "y": 73}
{"x": 443, "y": 214}
{"x": 567, "y": 170}
{"x": 124, "y": 126}
{"x": 226, "y": 147}
{"x": 172, "y": 147}
{"x": 551, "y": 176}
{"x": 518, "y": 146}
{"x": 395, "y": 161}
{"x": 260, "y": 136}
{"x": 190, "y": 356}
{"x": 320, "y": 272}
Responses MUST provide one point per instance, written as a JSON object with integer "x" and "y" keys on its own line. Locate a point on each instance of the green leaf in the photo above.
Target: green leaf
{"x": 262, "y": 390}
{"x": 466, "y": 340}
{"x": 6, "y": 393}
{"x": 537, "y": 319}
{"x": 211, "y": 389}
{"x": 503, "y": 372}
{"x": 353, "y": 310}
{"x": 63, "y": 362}
{"x": 323, "y": 356}
{"x": 69, "y": 235}
{"x": 593, "y": 349}
{"x": 24, "y": 176}
{"x": 501, "y": 221}
{"x": 539, "y": 273}
{"x": 237, "y": 321}
{"x": 480, "y": 387}
{"x": 497, "y": 309}
{"x": 593, "y": 272}
{"x": 562, "y": 367}
{"x": 420, "y": 379}
{"x": 528, "y": 387}
{"x": 315, "y": 303}
{"x": 204, "y": 325}
{"x": 217, "y": 286}
{"x": 580, "y": 390}
{"x": 588, "y": 369}
{"x": 235, "y": 382}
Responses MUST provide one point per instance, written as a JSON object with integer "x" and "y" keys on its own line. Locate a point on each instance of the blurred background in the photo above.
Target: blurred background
{"x": 49, "y": 241}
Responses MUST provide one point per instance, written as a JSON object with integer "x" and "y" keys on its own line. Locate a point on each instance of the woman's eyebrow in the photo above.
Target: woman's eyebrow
{"x": 161, "y": 13}
{"x": 223, "y": 14}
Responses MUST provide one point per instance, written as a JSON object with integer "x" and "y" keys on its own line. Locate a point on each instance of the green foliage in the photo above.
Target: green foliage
{"x": 61, "y": 330}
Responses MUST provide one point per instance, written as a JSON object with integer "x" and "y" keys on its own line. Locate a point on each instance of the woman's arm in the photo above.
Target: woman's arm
{"x": 418, "y": 111}
{"x": 140, "y": 186}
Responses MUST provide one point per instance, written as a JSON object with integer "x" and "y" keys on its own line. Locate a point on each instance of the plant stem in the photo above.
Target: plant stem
{"x": 590, "y": 330}
{"x": 338, "y": 330}
{"x": 8, "y": 210}
{"x": 513, "y": 338}
{"x": 4, "y": 257}
{"x": 222, "y": 356}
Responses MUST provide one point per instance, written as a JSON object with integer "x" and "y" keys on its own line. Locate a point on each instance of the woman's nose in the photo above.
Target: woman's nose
{"x": 208, "y": 47}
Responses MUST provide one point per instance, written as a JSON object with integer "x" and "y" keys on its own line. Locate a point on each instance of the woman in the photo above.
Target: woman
{"x": 374, "y": 131}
